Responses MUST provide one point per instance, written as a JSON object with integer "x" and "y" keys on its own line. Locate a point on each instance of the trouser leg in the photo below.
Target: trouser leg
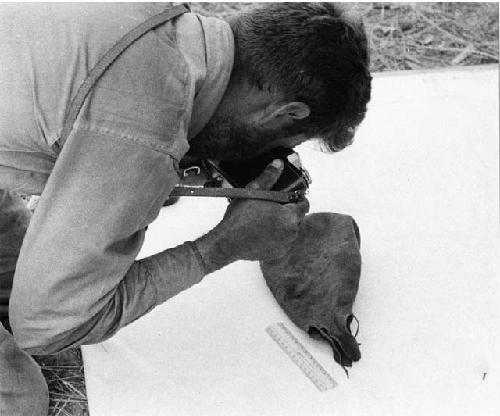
{"x": 23, "y": 390}
{"x": 14, "y": 220}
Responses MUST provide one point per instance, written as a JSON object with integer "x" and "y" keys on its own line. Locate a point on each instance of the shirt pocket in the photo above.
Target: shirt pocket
{"x": 143, "y": 96}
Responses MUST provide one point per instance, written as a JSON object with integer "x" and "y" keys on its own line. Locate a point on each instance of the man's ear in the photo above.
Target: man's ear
{"x": 284, "y": 114}
{"x": 295, "y": 110}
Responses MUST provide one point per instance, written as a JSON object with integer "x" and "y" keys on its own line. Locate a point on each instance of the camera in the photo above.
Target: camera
{"x": 227, "y": 179}
{"x": 294, "y": 177}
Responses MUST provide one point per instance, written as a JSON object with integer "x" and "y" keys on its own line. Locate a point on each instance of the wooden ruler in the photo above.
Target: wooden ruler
{"x": 300, "y": 356}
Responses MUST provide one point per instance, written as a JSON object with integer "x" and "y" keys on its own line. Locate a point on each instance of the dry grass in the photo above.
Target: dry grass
{"x": 65, "y": 378}
{"x": 431, "y": 35}
{"x": 402, "y": 36}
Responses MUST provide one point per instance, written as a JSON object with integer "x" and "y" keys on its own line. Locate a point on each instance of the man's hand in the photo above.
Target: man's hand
{"x": 253, "y": 229}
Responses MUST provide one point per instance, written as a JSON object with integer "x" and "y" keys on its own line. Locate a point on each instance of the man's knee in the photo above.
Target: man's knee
{"x": 23, "y": 390}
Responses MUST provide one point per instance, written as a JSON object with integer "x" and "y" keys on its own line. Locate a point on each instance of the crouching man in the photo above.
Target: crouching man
{"x": 190, "y": 87}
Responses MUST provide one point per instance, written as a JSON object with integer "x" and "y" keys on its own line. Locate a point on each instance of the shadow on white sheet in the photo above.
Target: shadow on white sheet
{"x": 422, "y": 182}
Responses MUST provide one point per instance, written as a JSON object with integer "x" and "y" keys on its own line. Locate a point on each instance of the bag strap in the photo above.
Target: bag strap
{"x": 245, "y": 193}
{"x": 105, "y": 62}
{"x": 109, "y": 57}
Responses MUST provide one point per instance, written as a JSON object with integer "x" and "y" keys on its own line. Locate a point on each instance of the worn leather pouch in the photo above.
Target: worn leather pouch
{"x": 317, "y": 281}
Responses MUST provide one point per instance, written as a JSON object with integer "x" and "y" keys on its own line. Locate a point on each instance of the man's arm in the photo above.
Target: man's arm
{"x": 76, "y": 280}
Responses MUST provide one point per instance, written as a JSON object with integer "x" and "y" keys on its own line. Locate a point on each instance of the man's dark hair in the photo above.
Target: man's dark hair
{"x": 314, "y": 53}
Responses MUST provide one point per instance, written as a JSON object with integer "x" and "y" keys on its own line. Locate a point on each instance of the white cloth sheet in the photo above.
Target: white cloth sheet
{"x": 422, "y": 182}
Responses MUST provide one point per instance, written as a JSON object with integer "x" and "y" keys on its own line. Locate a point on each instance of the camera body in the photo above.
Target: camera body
{"x": 294, "y": 177}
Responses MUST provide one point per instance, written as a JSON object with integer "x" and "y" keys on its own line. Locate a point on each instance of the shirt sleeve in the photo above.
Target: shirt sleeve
{"x": 76, "y": 280}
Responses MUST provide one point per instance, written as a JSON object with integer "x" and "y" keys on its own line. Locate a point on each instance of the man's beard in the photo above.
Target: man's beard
{"x": 225, "y": 139}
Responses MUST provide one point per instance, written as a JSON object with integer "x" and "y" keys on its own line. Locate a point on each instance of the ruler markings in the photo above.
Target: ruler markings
{"x": 300, "y": 356}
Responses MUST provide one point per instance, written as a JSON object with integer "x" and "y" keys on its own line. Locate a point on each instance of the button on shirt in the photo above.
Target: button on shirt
{"x": 77, "y": 281}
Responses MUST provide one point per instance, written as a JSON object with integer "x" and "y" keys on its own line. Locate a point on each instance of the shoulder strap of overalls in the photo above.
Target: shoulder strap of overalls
{"x": 103, "y": 64}
{"x": 109, "y": 57}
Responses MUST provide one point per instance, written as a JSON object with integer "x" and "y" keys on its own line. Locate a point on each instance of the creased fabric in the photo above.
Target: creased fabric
{"x": 47, "y": 50}
{"x": 76, "y": 278}
{"x": 317, "y": 281}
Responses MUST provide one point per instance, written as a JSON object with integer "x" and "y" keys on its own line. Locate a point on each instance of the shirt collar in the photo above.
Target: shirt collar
{"x": 210, "y": 62}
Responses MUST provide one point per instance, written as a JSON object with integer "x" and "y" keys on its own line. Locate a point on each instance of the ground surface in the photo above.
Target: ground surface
{"x": 403, "y": 36}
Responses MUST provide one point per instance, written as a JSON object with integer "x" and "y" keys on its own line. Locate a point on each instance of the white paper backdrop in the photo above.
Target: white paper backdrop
{"x": 422, "y": 182}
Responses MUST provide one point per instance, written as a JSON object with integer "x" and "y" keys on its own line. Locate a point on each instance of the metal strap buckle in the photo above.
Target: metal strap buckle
{"x": 189, "y": 170}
